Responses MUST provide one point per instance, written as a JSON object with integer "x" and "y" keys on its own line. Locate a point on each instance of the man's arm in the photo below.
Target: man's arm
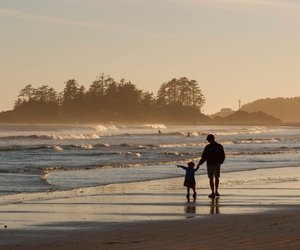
{"x": 203, "y": 157}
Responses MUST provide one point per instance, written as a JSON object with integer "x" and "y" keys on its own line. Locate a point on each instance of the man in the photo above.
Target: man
{"x": 214, "y": 156}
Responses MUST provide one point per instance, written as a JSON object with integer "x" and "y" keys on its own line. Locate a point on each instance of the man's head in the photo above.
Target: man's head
{"x": 210, "y": 138}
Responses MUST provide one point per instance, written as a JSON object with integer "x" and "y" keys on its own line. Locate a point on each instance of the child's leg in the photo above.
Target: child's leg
{"x": 188, "y": 192}
{"x": 194, "y": 190}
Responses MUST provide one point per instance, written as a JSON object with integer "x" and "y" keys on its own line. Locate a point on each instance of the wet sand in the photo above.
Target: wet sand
{"x": 257, "y": 210}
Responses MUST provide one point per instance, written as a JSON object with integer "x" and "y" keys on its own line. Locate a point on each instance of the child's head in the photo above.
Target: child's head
{"x": 191, "y": 164}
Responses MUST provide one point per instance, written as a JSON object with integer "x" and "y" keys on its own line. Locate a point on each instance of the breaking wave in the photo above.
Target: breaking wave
{"x": 155, "y": 126}
{"x": 54, "y": 137}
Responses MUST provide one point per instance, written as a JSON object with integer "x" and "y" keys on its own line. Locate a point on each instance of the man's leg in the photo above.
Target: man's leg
{"x": 211, "y": 183}
{"x": 217, "y": 185}
{"x": 210, "y": 174}
{"x": 217, "y": 175}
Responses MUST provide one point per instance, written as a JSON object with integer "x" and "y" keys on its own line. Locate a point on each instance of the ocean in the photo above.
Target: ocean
{"x": 41, "y": 158}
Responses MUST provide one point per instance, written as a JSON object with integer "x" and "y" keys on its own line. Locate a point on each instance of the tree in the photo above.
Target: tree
{"x": 24, "y": 96}
{"x": 73, "y": 100}
{"x": 39, "y": 104}
{"x": 97, "y": 93}
{"x": 128, "y": 99}
{"x": 45, "y": 94}
{"x": 182, "y": 91}
{"x": 70, "y": 91}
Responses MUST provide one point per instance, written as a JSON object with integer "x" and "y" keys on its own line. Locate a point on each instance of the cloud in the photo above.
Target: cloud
{"x": 118, "y": 28}
{"x": 287, "y": 4}
{"x": 266, "y": 3}
{"x": 26, "y": 16}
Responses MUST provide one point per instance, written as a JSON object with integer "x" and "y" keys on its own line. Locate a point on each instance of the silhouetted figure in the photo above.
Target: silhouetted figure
{"x": 159, "y": 131}
{"x": 190, "y": 210}
{"x": 214, "y": 206}
{"x": 214, "y": 156}
{"x": 189, "y": 180}
{"x": 188, "y": 134}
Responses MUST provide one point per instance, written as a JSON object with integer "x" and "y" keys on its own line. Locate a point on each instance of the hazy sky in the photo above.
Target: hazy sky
{"x": 235, "y": 49}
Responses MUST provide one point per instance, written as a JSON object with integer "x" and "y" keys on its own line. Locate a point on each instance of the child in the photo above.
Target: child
{"x": 189, "y": 180}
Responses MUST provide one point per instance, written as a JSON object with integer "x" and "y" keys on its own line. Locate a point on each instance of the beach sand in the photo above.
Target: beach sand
{"x": 257, "y": 210}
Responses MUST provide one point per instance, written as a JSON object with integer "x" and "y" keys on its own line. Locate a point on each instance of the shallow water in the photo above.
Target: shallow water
{"x": 37, "y": 158}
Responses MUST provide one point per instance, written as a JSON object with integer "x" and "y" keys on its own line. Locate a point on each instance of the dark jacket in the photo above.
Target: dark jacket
{"x": 213, "y": 154}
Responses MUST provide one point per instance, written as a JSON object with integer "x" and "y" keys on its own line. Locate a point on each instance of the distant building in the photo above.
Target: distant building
{"x": 223, "y": 112}
{"x": 226, "y": 110}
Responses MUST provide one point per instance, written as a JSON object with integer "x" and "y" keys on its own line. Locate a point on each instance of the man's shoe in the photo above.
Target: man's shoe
{"x": 212, "y": 195}
{"x": 217, "y": 194}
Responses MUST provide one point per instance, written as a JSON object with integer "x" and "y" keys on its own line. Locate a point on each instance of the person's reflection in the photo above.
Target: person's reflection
{"x": 214, "y": 206}
{"x": 190, "y": 209}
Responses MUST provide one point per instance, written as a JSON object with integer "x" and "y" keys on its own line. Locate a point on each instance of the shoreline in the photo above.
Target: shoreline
{"x": 261, "y": 202}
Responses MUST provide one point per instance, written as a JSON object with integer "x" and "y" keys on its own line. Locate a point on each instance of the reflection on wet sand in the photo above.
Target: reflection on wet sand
{"x": 190, "y": 209}
{"x": 214, "y": 206}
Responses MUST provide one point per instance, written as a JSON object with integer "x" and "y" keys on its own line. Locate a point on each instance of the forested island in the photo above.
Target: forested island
{"x": 107, "y": 100}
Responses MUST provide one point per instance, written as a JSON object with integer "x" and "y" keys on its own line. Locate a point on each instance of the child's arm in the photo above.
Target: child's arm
{"x": 180, "y": 166}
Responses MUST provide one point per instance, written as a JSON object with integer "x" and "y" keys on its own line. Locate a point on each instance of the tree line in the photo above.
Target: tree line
{"x": 109, "y": 100}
